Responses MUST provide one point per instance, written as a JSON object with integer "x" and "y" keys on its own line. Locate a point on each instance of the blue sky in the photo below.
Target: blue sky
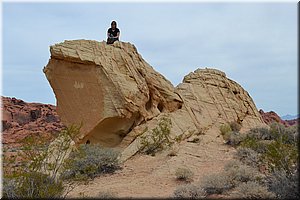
{"x": 255, "y": 44}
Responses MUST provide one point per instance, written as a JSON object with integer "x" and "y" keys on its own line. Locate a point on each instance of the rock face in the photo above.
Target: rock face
{"x": 118, "y": 96}
{"x": 20, "y": 119}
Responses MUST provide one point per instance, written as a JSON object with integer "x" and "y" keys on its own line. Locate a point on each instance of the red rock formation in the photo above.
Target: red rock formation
{"x": 20, "y": 119}
{"x": 270, "y": 117}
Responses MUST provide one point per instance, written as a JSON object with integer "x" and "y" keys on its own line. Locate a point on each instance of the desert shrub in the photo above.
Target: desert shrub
{"x": 260, "y": 133}
{"x": 216, "y": 183}
{"x": 235, "y": 138}
{"x": 106, "y": 195}
{"x": 189, "y": 191}
{"x": 225, "y": 128}
{"x": 32, "y": 185}
{"x": 248, "y": 156}
{"x": 252, "y": 190}
{"x": 235, "y": 126}
{"x": 89, "y": 161}
{"x": 283, "y": 184}
{"x": 260, "y": 146}
{"x": 37, "y": 174}
{"x": 158, "y": 139}
{"x": 184, "y": 174}
{"x": 238, "y": 172}
{"x": 287, "y": 135}
{"x": 280, "y": 155}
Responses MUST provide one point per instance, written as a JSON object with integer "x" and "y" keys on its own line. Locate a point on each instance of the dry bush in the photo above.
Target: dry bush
{"x": 252, "y": 190}
{"x": 283, "y": 184}
{"x": 225, "y": 128}
{"x": 107, "y": 195}
{"x": 38, "y": 171}
{"x": 189, "y": 191}
{"x": 184, "y": 174}
{"x": 236, "y": 127}
{"x": 216, "y": 183}
{"x": 238, "y": 172}
{"x": 248, "y": 156}
{"x": 89, "y": 161}
{"x": 235, "y": 138}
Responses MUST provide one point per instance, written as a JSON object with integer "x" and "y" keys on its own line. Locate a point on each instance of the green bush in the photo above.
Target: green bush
{"x": 89, "y": 161}
{"x": 260, "y": 146}
{"x": 184, "y": 174}
{"x": 189, "y": 192}
{"x": 252, "y": 190}
{"x": 158, "y": 139}
{"x": 279, "y": 156}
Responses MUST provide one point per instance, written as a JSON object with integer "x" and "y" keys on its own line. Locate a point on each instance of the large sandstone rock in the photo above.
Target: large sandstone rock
{"x": 108, "y": 88}
{"x": 211, "y": 98}
{"x": 118, "y": 97}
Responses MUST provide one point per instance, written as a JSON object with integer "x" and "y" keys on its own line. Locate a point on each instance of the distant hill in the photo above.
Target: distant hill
{"x": 289, "y": 117}
{"x": 270, "y": 117}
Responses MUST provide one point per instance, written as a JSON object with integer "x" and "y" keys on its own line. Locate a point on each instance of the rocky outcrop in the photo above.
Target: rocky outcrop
{"x": 117, "y": 96}
{"x": 20, "y": 119}
{"x": 108, "y": 88}
{"x": 271, "y": 117}
{"x": 211, "y": 98}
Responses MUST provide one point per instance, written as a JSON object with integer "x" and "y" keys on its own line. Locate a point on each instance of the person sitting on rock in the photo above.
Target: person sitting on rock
{"x": 113, "y": 33}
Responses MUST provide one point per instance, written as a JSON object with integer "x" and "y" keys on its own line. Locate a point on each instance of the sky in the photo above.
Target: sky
{"x": 254, "y": 43}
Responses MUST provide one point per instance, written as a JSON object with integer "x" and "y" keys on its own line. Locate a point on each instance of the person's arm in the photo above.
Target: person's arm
{"x": 118, "y": 35}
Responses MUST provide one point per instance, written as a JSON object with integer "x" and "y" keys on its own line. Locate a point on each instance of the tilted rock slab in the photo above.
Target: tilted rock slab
{"x": 108, "y": 88}
{"x": 116, "y": 95}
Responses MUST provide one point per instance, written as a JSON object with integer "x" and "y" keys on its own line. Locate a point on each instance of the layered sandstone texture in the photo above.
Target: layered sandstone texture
{"x": 118, "y": 97}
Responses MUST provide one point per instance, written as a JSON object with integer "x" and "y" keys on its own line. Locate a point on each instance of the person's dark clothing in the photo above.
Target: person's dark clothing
{"x": 112, "y": 33}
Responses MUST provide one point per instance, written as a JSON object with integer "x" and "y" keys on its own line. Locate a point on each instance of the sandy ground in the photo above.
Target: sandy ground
{"x": 145, "y": 176}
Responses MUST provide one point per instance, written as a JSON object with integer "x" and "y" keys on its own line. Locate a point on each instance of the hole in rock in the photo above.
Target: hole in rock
{"x": 160, "y": 107}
